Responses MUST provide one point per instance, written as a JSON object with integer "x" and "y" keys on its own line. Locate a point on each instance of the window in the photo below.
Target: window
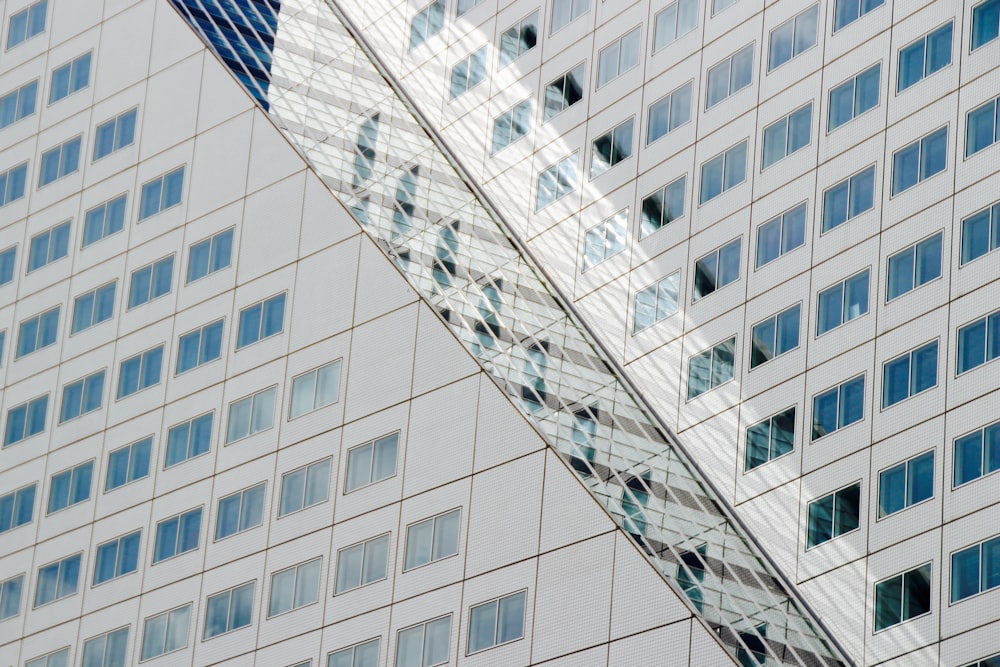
{"x": 618, "y": 57}
{"x": 115, "y": 134}
{"x": 26, "y": 420}
{"x": 981, "y": 233}
{"x": 315, "y": 389}
{"x": 708, "y": 369}
{"x": 371, "y": 462}
{"x": 70, "y": 487}
{"x": 199, "y": 347}
{"x": 788, "y": 135}
{"x": 166, "y": 632}
{"x": 774, "y": 336}
{"x": 82, "y": 396}
{"x": 564, "y": 92}
{"x": 128, "y": 464}
{"x": 982, "y": 127}
{"x": 161, "y": 193}
{"x": 723, "y": 172}
{"x": 37, "y": 332}
{"x": 17, "y": 508}
{"x": 107, "y": 650}
{"x": 104, "y": 220}
{"x": 919, "y": 160}
{"x": 611, "y": 148}
{"x": 669, "y": 113}
{"x": 60, "y": 161}
{"x": 979, "y": 342}
{"x": 717, "y": 269}
{"x": 792, "y": 37}
{"x": 364, "y": 155}
{"x": 496, "y": 622}
{"x": 656, "y": 302}
{"x": 94, "y": 307}
{"x": 849, "y": 198}
{"x": 465, "y": 5}
{"x": 729, "y": 76}
{"x": 838, "y": 407}
{"x": 770, "y": 438}
{"x": 854, "y": 97}
{"x": 975, "y": 569}
{"x": 427, "y": 23}
{"x": 906, "y": 484}
{"x": 364, "y": 654}
{"x": 605, "y": 240}
{"x": 18, "y": 104}
{"x": 8, "y": 263}
{"x": 781, "y": 235}
{"x": 69, "y": 78}
{"x": 556, "y": 181}
{"x": 240, "y": 511}
{"x": 50, "y": 245}
{"x": 26, "y": 23}
{"x": 117, "y": 558}
{"x": 518, "y": 39}
{"x": 662, "y": 207}
{"x": 176, "y": 535}
{"x": 250, "y": 415}
{"x": 58, "y": 658}
{"x": 976, "y": 454}
{"x": 848, "y": 11}
{"x": 140, "y": 372}
{"x": 261, "y": 320}
{"x": 12, "y": 183}
{"x": 211, "y": 255}
{"x": 362, "y": 564}
{"x": 468, "y": 72}
{"x": 10, "y": 597}
{"x": 511, "y": 125}
{"x": 985, "y": 23}
{"x": 834, "y": 515}
{"x": 189, "y": 439}
{"x": 925, "y": 56}
{"x": 676, "y": 19}
{"x": 910, "y": 374}
{"x": 57, "y": 580}
{"x": 151, "y": 281}
{"x": 566, "y": 11}
{"x": 294, "y": 587}
{"x": 914, "y": 266}
{"x": 229, "y": 610}
{"x": 432, "y": 539}
{"x": 902, "y": 597}
{"x": 305, "y": 487}
{"x": 425, "y": 644}
{"x": 842, "y": 302}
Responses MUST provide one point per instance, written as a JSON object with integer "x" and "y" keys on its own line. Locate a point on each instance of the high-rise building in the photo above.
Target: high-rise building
{"x": 488, "y": 332}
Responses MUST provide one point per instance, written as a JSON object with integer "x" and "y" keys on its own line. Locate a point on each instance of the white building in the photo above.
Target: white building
{"x": 283, "y": 383}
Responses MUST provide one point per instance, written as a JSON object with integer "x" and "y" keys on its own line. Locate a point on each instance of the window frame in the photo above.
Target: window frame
{"x": 793, "y": 409}
{"x": 425, "y": 14}
{"x": 853, "y": 81}
{"x": 909, "y": 356}
{"x": 717, "y": 254}
{"x": 475, "y": 66}
{"x": 655, "y": 287}
{"x": 574, "y": 14}
{"x": 711, "y": 368}
{"x": 668, "y": 98}
{"x": 984, "y": 456}
{"x": 201, "y": 337}
{"x": 423, "y": 637}
{"x": 728, "y": 62}
{"x": 189, "y": 424}
{"x": 338, "y": 363}
{"x": 152, "y": 266}
{"x": 902, "y": 576}
{"x": 59, "y": 579}
{"x": 843, "y": 301}
{"x": 677, "y": 13}
{"x": 28, "y": 406}
{"x": 924, "y": 40}
{"x": 117, "y": 541}
{"x": 850, "y": 181}
{"x": 777, "y": 334}
{"x": 253, "y": 403}
{"x": 96, "y": 293}
{"x": 794, "y": 21}
{"x": 141, "y": 356}
{"x": 19, "y": 172}
{"x": 988, "y": 319}
{"x": 163, "y": 196}
{"x": 69, "y": 66}
{"x": 512, "y": 115}
{"x": 564, "y": 81}
{"x": 363, "y": 544}
{"x": 16, "y": 93}
{"x": 131, "y": 450}
{"x": 980, "y": 547}
{"x": 995, "y": 103}
{"x": 919, "y": 143}
{"x": 558, "y": 169}
{"x": 618, "y": 43}
{"x": 433, "y": 519}
{"x": 839, "y": 389}
{"x": 664, "y": 206}
{"x": 5, "y": 585}
{"x": 230, "y": 592}
{"x": 396, "y": 436}
{"x": 318, "y": 561}
{"x": 18, "y": 501}
{"x": 179, "y": 517}
{"x": 169, "y": 614}
{"x": 106, "y": 231}
{"x": 861, "y": 14}
{"x": 973, "y": 47}
{"x": 905, "y": 464}
{"x": 605, "y": 232}
{"x": 780, "y": 220}
{"x": 244, "y": 508}
{"x": 519, "y": 27}
{"x": 619, "y": 151}
{"x": 915, "y": 247}
{"x": 833, "y": 514}
{"x": 85, "y": 385}
{"x": 787, "y": 121}
{"x": 305, "y": 469}
{"x": 86, "y": 468}
{"x": 263, "y": 304}
{"x": 73, "y": 143}
{"x": 210, "y": 241}
{"x": 53, "y": 246}
{"x": 496, "y": 626}
{"x": 28, "y": 12}
{"x": 724, "y": 156}
{"x": 106, "y": 637}
{"x": 115, "y": 123}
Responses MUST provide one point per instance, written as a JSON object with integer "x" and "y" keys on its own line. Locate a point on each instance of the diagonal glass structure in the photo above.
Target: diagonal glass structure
{"x": 327, "y": 93}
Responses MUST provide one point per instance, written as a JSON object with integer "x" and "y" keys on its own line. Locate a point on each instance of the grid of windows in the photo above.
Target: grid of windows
{"x": 838, "y": 407}
{"x": 618, "y": 57}
{"x": 556, "y": 181}
{"x": 669, "y": 113}
{"x": 979, "y": 342}
{"x": 115, "y": 134}
{"x": 104, "y": 220}
{"x": 37, "y": 332}
{"x": 140, "y": 371}
{"x": 26, "y": 420}
{"x": 787, "y": 135}
{"x": 982, "y": 128}
{"x": 902, "y": 597}
{"x": 729, "y": 76}
{"x": 94, "y": 307}
{"x": 656, "y": 302}
{"x": 362, "y": 564}
{"x": 605, "y": 240}
{"x": 925, "y": 56}
{"x": 920, "y": 160}
{"x": 427, "y": 23}
{"x": 240, "y": 511}
{"x": 774, "y": 336}
{"x": 794, "y": 36}
{"x": 906, "y": 484}
{"x": 711, "y": 368}
{"x": 673, "y": 21}
{"x": 251, "y": 415}
{"x": 424, "y": 645}
{"x": 26, "y": 23}
{"x": 843, "y": 302}
{"x": 496, "y": 622}
{"x": 69, "y": 78}
{"x": 511, "y": 125}
{"x": 468, "y": 72}
{"x": 17, "y": 508}
{"x": 117, "y": 557}
{"x": 315, "y": 389}
{"x": 199, "y": 346}
{"x": 177, "y": 535}
{"x": 432, "y": 539}
{"x": 18, "y": 103}
{"x": 129, "y": 463}
{"x": 12, "y": 183}
{"x": 261, "y": 320}
{"x": 834, "y": 515}
{"x": 161, "y": 193}
{"x": 518, "y": 39}
{"x": 229, "y": 610}
{"x": 770, "y": 438}
{"x": 717, "y": 269}
{"x": 189, "y": 439}
{"x": 151, "y": 281}
{"x": 305, "y": 487}
{"x": 166, "y": 632}
{"x": 723, "y": 172}
{"x": 611, "y": 148}
{"x": 977, "y": 454}
{"x": 82, "y": 396}
{"x": 57, "y": 580}
{"x": 60, "y": 161}
{"x": 975, "y": 569}
{"x": 909, "y": 374}
{"x": 564, "y": 92}
{"x": 294, "y": 587}
{"x": 49, "y": 246}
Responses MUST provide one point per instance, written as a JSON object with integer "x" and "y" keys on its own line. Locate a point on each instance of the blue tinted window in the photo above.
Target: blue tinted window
{"x": 189, "y": 439}
{"x": 8, "y": 263}
{"x": 26, "y": 420}
{"x": 161, "y": 193}
{"x": 261, "y": 320}
{"x": 151, "y": 281}
{"x": 985, "y": 22}
{"x": 12, "y": 183}
{"x": 117, "y": 558}
{"x": 104, "y": 220}
{"x": 70, "y": 487}
{"x": 838, "y": 407}
{"x": 37, "y": 332}
{"x": 69, "y": 78}
{"x": 115, "y": 134}
{"x": 199, "y": 347}
{"x": 82, "y": 396}
{"x": 140, "y": 372}
{"x": 57, "y": 580}
{"x": 129, "y": 463}
{"x": 26, "y": 23}
{"x": 211, "y": 255}
{"x": 18, "y": 104}
{"x": 47, "y": 247}
{"x": 177, "y": 535}
{"x": 17, "y": 508}
{"x": 60, "y": 161}
{"x": 94, "y": 307}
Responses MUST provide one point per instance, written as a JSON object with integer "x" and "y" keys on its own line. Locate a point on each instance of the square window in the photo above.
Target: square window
{"x": 432, "y": 539}
{"x": 251, "y": 415}
{"x": 166, "y": 632}
{"x": 69, "y": 78}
